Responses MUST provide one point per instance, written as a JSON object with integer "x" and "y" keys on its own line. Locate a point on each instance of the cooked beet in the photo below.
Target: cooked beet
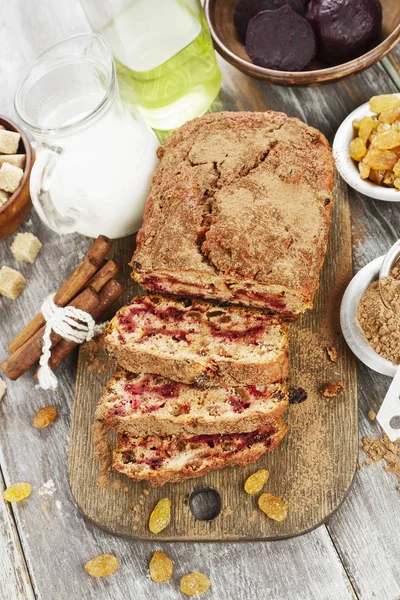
{"x": 280, "y": 39}
{"x": 245, "y": 10}
{"x": 344, "y": 29}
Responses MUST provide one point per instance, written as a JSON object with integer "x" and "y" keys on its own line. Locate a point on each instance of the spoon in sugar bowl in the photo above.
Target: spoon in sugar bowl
{"x": 389, "y": 413}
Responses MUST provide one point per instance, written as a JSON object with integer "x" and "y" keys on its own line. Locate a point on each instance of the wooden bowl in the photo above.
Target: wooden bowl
{"x": 19, "y": 204}
{"x": 219, "y": 15}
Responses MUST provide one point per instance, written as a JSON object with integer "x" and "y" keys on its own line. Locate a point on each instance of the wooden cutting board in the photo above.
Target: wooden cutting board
{"x": 312, "y": 470}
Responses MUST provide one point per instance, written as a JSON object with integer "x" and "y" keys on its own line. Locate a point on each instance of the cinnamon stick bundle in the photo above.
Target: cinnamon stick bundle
{"x": 108, "y": 295}
{"x": 73, "y": 286}
{"x": 29, "y": 353}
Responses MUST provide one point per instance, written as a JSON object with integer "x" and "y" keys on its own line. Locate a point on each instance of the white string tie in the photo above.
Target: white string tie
{"x": 72, "y": 324}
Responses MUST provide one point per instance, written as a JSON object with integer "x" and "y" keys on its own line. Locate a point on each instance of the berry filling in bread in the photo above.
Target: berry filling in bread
{"x": 194, "y": 341}
{"x": 173, "y": 458}
{"x": 143, "y": 404}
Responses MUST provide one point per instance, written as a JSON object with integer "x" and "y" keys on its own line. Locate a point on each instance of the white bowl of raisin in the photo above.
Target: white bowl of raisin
{"x": 367, "y": 148}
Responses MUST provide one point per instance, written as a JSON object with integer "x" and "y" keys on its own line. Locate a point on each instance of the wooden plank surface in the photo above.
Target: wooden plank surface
{"x": 314, "y": 467}
{"x": 57, "y": 542}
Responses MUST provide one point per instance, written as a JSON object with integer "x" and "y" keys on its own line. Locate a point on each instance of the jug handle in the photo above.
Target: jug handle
{"x": 42, "y": 171}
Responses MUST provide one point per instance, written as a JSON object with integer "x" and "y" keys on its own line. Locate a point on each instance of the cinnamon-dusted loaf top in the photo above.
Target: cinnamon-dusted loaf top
{"x": 239, "y": 210}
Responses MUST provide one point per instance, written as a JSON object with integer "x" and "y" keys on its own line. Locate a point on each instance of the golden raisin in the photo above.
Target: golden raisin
{"x": 275, "y": 508}
{"x": 391, "y": 115}
{"x": 386, "y": 140}
{"x": 366, "y": 126}
{"x": 102, "y": 565}
{"x": 256, "y": 482}
{"x": 383, "y": 102}
{"x": 160, "y": 567}
{"x": 364, "y": 170}
{"x": 17, "y": 492}
{"x": 358, "y": 149}
{"x": 396, "y": 169}
{"x": 44, "y": 417}
{"x": 194, "y": 584}
{"x": 389, "y": 178}
{"x": 376, "y": 176}
{"x": 383, "y": 127}
{"x": 396, "y": 183}
{"x": 380, "y": 159}
{"x": 161, "y": 516}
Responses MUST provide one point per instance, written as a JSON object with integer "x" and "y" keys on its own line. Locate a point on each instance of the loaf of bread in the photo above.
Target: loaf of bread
{"x": 239, "y": 211}
{"x": 197, "y": 342}
{"x": 144, "y": 404}
{"x": 158, "y": 460}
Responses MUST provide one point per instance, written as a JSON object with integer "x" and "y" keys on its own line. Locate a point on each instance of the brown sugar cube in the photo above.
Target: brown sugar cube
{"x": 11, "y": 282}
{"x": 18, "y": 160}
{"x": 10, "y": 177}
{"x": 26, "y": 247}
{"x": 9, "y": 141}
{"x": 4, "y": 196}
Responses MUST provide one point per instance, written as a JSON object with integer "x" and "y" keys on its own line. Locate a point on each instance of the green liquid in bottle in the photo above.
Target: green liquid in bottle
{"x": 165, "y": 59}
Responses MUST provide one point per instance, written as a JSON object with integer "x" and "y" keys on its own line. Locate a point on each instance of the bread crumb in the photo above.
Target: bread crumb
{"x": 9, "y": 141}
{"x": 11, "y": 282}
{"x": 3, "y": 388}
{"x": 372, "y": 415}
{"x": 332, "y": 389}
{"x": 26, "y": 247}
{"x": 332, "y": 353}
{"x": 10, "y": 177}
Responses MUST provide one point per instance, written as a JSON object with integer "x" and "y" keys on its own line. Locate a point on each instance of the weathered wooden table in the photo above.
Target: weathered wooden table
{"x": 44, "y": 543}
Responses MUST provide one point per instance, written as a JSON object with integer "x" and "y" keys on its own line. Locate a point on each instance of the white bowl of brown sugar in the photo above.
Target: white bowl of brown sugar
{"x": 370, "y": 328}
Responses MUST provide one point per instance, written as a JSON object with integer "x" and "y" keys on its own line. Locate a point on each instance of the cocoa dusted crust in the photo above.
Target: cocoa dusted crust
{"x": 143, "y": 404}
{"x": 239, "y": 211}
{"x": 141, "y": 352}
{"x": 128, "y": 451}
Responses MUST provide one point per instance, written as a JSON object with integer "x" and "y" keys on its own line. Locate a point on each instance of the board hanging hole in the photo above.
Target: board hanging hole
{"x": 395, "y": 422}
{"x": 205, "y": 503}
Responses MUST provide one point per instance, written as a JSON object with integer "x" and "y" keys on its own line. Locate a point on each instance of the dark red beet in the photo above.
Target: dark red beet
{"x": 344, "y": 29}
{"x": 281, "y": 40}
{"x": 245, "y": 10}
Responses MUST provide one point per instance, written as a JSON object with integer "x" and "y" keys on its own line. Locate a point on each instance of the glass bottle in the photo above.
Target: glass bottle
{"x": 166, "y": 63}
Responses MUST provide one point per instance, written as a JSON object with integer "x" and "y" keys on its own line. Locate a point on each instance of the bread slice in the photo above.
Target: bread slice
{"x": 144, "y": 404}
{"x": 239, "y": 211}
{"x": 196, "y": 342}
{"x": 158, "y": 460}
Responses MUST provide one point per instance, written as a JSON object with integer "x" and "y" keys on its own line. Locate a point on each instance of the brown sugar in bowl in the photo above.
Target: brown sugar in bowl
{"x": 19, "y": 204}
{"x": 219, "y": 15}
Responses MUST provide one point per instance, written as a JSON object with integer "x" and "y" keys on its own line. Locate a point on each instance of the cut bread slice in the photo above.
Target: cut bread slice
{"x": 193, "y": 341}
{"x": 158, "y": 460}
{"x": 145, "y": 404}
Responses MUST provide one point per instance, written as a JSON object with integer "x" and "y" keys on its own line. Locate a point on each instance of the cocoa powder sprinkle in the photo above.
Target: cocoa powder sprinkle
{"x": 381, "y": 323}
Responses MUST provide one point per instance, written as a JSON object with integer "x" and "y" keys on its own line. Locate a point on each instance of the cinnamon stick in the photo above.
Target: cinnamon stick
{"x": 108, "y": 295}
{"x": 75, "y": 284}
{"x": 107, "y": 272}
{"x": 29, "y": 353}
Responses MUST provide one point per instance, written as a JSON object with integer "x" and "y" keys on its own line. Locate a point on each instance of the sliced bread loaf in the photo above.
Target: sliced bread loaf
{"x": 158, "y": 460}
{"x": 144, "y": 404}
{"x": 193, "y": 341}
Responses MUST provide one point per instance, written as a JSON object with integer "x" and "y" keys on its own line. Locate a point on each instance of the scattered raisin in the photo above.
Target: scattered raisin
{"x": 194, "y": 584}
{"x": 332, "y": 389}
{"x": 161, "y": 516}
{"x": 297, "y": 396}
{"x": 102, "y": 565}
{"x": 44, "y": 417}
{"x": 332, "y": 353}
{"x": 160, "y": 567}
{"x": 256, "y": 482}
{"x": 275, "y": 508}
{"x": 17, "y": 492}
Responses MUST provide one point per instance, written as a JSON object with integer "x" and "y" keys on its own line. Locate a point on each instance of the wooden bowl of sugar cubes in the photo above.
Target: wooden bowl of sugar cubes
{"x": 16, "y": 161}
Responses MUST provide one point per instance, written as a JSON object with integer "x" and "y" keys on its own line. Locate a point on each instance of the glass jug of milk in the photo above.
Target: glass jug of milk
{"x": 94, "y": 156}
